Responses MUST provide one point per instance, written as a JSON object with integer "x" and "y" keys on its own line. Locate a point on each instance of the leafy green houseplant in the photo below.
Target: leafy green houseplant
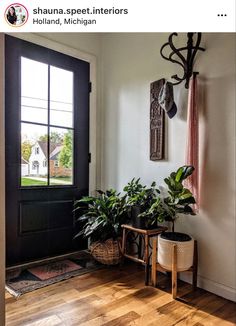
{"x": 168, "y": 209}
{"x": 178, "y": 201}
{"x": 139, "y": 200}
{"x": 102, "y": 217}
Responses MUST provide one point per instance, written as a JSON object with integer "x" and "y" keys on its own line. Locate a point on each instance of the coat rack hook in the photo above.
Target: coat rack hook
{"x": 176, "y": 55}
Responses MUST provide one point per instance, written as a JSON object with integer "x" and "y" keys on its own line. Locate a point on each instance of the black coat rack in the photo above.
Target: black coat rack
{"x": 185, "y": 62}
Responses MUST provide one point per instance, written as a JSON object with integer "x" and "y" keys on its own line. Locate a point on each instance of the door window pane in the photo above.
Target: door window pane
{"x": 61, "y": 156}
{"x": 39, "y": 112}
{"x": 34, "y": 91}
{"x": 61, "y": 97}
{"x": 34, "y": 151}
{"x": 61, "y": 114}
{"x": 34, "y": 114}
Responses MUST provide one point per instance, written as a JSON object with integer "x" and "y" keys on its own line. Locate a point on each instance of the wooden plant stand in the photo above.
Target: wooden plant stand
{"x": 157, "y": 267}
{"x": 142, "y": 240}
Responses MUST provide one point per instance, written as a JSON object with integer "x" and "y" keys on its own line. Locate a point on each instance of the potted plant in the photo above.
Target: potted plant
{"x": 102, "y": 217}
{"x": 167, "y": 208}
{"x": 139, "y": 200}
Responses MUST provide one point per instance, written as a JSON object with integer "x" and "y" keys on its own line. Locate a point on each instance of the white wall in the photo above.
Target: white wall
{"x": 86, "y": 42}
{"x": 24, "y": 170}
{"x": 130, "y": 63}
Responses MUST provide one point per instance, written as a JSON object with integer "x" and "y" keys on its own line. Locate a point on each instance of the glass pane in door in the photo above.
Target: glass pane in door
{"x": 34, "y": 149}
{"x": 34, "y": 91}
{"x": 61, "y": 97}
{"x": 61, "y": 156}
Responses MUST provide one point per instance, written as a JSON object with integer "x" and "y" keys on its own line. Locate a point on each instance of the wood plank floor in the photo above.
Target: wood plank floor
{"x": 113, "y": 297}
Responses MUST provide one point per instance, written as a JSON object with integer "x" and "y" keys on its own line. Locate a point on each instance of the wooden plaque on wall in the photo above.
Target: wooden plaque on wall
{"x": 157, "y": 123}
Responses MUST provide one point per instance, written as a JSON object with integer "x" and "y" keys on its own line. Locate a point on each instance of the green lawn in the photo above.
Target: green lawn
{"x": 67, "y": 179}
{"x": 31, "y": 182}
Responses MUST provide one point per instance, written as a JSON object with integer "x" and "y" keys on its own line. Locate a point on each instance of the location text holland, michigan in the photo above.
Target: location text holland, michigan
{"x": 66, "y": 21}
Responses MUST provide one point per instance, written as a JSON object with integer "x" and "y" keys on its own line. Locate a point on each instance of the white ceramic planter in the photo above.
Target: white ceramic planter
{"x": 184, "y": 253}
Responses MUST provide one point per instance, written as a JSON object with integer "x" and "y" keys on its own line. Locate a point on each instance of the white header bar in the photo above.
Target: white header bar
{"x": 117, "y": 16}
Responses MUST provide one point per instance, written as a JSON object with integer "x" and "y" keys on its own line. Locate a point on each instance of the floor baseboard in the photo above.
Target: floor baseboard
{"x": 213, "y": 287}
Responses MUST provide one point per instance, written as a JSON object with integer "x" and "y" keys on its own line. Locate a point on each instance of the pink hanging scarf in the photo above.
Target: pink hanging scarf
{"x": 192, "y": 182}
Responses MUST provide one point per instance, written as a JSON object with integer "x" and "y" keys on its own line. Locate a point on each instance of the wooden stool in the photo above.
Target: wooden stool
{"x": 157, "y": 267}
{"x": 143, "y": 236}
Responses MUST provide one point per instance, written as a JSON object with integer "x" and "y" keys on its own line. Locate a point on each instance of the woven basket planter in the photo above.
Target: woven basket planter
{"x": 184, "y": 253}
{"x": 108, "y": 252}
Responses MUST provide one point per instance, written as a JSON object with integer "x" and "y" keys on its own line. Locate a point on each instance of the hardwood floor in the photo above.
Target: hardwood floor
{"x": 113, "y": 297}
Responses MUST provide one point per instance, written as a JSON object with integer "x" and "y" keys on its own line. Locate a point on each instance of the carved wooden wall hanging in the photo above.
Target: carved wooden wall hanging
{"x": 157, "y": 123}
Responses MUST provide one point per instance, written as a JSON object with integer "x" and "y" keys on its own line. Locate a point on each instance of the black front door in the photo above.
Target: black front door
{"x": 47, "y": 149}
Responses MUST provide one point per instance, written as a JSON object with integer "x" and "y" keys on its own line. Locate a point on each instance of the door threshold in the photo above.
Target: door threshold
{"x": 43, "y": 260}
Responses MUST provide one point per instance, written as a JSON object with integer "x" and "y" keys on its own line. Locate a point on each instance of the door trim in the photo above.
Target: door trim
{"x": 93, "y": 145}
